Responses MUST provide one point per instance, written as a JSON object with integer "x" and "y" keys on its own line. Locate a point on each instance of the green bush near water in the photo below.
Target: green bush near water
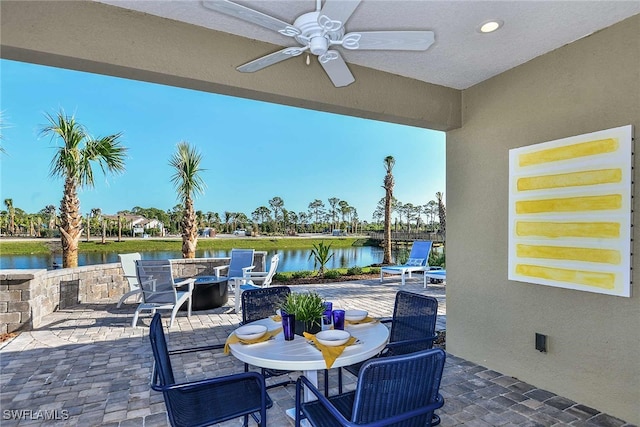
{"x": 354, "y": 271}
{"x": 332, "y": 274}
{"x": 301, "y": 274}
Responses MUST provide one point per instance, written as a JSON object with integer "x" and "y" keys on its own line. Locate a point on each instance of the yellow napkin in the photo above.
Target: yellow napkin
{"x": 276, "y": 318}
{"x": 330, "y": 354}
{"x": 359, "y": 322}
{"x": 233, "y": 339}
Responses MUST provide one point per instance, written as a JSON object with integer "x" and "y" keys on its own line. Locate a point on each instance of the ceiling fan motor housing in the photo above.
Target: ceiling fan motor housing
{"x": 314, "y": 35}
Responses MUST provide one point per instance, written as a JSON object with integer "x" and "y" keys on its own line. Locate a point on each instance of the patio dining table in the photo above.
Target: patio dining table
{"x": 300, "y": 355}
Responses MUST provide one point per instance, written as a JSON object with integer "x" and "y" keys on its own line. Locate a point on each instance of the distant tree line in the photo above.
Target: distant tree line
{"x": 271, "y": 218}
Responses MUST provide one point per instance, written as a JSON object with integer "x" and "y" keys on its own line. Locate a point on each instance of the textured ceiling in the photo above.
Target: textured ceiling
{"x": 460, "y": 57}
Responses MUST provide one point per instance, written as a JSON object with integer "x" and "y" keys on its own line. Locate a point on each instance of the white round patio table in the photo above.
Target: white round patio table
{"x": 299, "y": 355}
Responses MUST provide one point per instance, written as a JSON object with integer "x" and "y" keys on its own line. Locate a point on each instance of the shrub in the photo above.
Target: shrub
{"x": 354, "y": 271}
{"x": 374, "y": 270}
{"x": 332, "y": 274}
{"x": 437, "y": 259}
{"x": 301, "y": 274}
{"x": 279, "y": 277}
{"x": 402, "y": 256}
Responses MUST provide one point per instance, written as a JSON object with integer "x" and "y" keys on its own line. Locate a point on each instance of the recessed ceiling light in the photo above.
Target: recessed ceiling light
{"x": 490, "y": 26}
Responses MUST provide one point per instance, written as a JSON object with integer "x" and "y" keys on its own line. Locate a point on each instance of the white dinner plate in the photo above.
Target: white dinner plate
{"x": 251, "y": 332}
{"x": 333, "y": 337}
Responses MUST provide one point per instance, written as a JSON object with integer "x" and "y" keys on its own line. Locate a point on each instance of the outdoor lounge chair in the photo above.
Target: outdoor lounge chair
{"x": 257, "y": 279}
{"x": 159, "y": 289}
{"x": 398, "y": 390}
{"x": 412, "y": 328}
{"x": 261, "y": 279}
{"x": 209, "y": 401}
{"x": 240, "y": 264}
{"x": 128, "y": 262}
{"x": 418, "y": 261}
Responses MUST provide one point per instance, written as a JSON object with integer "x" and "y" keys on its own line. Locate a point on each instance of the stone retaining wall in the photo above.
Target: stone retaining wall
{"x": 26, "y": 296}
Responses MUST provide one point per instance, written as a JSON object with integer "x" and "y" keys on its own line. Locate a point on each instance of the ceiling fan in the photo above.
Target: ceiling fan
{"x": 318, "y": 32}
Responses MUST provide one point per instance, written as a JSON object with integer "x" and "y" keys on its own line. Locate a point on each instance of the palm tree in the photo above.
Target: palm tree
{"x": 186, "y": 161}
{"x": 344, "y": 211}
{"x": 12, "y": 214}
{"x": 442, "y": 214}
{"x": 333, "y": 201}
{"x": 50, "y": 212}
{"x": 315, "y": 210}
{"x": 73, "y": 162}
{"x": 277, "y": 205}
{"x": 388, "y": 184}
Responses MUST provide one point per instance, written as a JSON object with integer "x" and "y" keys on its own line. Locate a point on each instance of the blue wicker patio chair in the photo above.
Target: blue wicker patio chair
{"x": 208, "y": 401}
{"x": 258, "y": 304}
{"x": 412, "y": 328}
{"x": 396, "y": 390}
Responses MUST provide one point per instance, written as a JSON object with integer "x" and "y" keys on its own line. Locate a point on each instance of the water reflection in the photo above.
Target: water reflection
{"x": 290, "y": 259}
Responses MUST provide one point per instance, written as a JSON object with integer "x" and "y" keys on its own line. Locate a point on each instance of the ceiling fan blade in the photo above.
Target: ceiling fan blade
{"x": 388, "y": 40}
{"x": 271, "y": 59}
{"x": 337, "y": 70}
{"x": 246, "y": 14}
{"x": 339, "y": 10}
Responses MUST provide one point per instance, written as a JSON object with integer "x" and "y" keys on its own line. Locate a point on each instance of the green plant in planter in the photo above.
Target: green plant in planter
{"x": 308, "y": 308}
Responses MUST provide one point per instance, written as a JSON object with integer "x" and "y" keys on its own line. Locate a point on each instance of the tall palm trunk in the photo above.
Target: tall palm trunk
{"x": 388, "y": 185}
{"x": 70, "y": 224}
{"x": 189, "y": 230}
{"x": 442, "y": 214}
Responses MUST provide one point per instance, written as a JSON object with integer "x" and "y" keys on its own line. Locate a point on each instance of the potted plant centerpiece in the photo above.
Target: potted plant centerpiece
{"x": 308, "y": 308}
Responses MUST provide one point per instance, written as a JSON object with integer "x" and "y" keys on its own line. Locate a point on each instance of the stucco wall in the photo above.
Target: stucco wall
{"x": 594, "y": 340}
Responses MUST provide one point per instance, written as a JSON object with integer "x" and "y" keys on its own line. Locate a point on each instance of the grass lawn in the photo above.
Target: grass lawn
{"x": 36, "y": 246}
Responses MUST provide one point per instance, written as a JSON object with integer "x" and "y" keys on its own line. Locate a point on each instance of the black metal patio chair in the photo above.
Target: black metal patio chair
{"x": 396, "y": 390}
{"x": 208, "y": 401}
{"x": 412, "y": 328}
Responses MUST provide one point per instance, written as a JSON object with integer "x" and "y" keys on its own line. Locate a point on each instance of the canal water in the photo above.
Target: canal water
{"x": 290, "y": 259}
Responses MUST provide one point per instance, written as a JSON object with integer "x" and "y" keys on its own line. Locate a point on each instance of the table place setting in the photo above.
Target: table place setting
{"x": 250, "y": 334}
{"x": 331, "y": 343}
{"x": 358, "y": 317}
{"x": 277, "y": 317}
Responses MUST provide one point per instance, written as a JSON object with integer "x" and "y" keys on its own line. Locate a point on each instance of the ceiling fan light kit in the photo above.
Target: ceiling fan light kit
{"x": 318, "y": 32}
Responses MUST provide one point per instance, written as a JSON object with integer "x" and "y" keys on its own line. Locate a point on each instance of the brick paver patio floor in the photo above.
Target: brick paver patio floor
{"x": 87, "y": 367}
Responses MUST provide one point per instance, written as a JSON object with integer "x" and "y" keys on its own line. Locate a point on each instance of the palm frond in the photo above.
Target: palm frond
{"x": 186, "y": 179}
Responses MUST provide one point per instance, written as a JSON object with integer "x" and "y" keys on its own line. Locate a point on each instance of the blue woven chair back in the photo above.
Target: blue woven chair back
{"x": 163, "y": 369}
{"x": 240, "y": 258}
{"x": 260, "y": 303}
{"x": 395, "y": 385}
{"x": 414, "y": 317}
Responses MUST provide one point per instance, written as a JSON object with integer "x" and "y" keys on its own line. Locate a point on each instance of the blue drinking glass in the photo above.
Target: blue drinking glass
{"x": 326, "y": 316}
{"x": 288, "y": 325}
{"x": 338, "y": 319}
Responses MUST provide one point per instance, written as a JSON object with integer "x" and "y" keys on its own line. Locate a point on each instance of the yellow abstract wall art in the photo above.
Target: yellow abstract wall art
{"x": 570, "y": 212}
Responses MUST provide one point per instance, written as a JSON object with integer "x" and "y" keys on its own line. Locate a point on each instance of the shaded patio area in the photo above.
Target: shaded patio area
{"x": 88, "y": 366}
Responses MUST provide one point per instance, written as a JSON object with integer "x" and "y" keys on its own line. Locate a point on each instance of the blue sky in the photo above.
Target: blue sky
{"x": 252, "y": 151}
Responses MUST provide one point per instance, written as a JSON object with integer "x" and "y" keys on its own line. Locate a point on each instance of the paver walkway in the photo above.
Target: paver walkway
{"x": 88, "y": 367}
